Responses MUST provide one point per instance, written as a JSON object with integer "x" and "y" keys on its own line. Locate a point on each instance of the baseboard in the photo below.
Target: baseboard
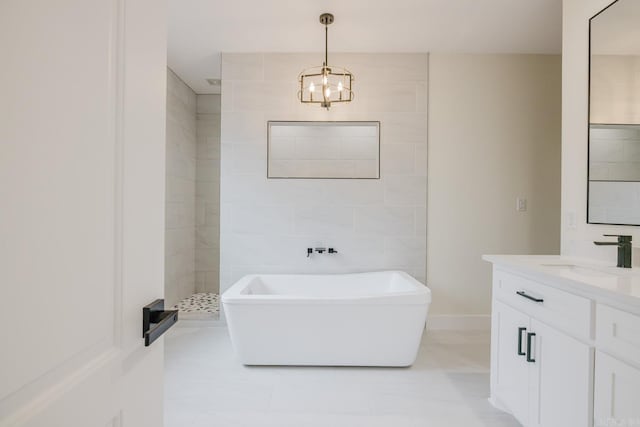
{"x": 497, "y": 404}
{"x": 470, "y": 322}
{"x": 436, "y": 322}
{"x": 200, "y": 323}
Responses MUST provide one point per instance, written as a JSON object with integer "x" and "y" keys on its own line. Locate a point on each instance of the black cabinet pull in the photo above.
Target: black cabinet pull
{"x": 524, "y": 295}
{"x": 530, "y": 335}
{"x": 156, "y": 320}
{"x": 520, "y": 331}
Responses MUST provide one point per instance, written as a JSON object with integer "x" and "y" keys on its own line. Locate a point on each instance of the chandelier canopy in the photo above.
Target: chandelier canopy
{"x": 325, "y": 84}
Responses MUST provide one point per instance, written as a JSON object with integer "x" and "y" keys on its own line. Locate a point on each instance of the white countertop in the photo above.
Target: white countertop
{"x": 591, "y": 278}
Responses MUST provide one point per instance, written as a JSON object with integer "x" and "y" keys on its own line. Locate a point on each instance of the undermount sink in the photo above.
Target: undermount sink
{"x": 579, "y": 270}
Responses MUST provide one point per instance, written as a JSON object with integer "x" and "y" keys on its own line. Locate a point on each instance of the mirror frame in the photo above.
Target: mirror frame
{"x": 377, "y": 122}
{"x": 589, "y": 123}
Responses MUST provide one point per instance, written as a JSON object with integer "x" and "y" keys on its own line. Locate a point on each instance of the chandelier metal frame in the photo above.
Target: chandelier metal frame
{"x": 334, "y": 84}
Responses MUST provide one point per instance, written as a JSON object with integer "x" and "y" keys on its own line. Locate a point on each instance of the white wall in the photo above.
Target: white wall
{"x": 180, "y": 190}
{"x": 494, "y": 135}
{"x": 207, "y": 193}
{"x": 266, "y": 225}
{"x": 613, "y": 78}
{"x": 577, "y": 235}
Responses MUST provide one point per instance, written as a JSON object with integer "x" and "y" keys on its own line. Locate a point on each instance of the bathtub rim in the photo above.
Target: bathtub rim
{"x": 421, "y": 295}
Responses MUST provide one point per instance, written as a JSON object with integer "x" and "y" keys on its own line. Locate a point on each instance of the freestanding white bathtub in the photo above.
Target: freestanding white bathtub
{"x": 364, "y": 319}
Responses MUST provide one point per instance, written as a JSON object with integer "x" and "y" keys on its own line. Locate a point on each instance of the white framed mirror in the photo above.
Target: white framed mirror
{"x": 323, "y": 150}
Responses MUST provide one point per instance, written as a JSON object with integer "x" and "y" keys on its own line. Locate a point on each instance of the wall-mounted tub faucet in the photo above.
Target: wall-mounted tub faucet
{"x": 310, "y": 251}
{"x": 624, "y": 249}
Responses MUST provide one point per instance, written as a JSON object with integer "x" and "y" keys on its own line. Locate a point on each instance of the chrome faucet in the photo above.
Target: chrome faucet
{"x": 624, "y": 249}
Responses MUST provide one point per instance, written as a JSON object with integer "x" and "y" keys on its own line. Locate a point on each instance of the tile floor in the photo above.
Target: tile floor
{"x": 202, "y": 305}
{"x": 447, "y": 386}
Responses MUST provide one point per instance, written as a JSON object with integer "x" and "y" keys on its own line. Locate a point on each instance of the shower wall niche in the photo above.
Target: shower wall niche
{"x": 192, "y": 198}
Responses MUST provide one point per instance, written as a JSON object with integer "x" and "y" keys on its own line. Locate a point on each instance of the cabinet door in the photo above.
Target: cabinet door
{"x": 559, "y": 379}
{"x": 616, "y": 401}
{"x": 509, "y": 370}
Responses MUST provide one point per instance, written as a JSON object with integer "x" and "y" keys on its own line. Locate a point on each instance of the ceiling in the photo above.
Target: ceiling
{"x": 199, "y": 30}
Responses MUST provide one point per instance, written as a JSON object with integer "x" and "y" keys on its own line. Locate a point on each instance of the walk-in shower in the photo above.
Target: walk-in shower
{"x": 192, "y": 226}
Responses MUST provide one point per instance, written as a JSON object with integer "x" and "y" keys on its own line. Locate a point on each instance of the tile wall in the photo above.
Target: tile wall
{"x": 614, "y": 162}
{"x": 614, "y": 202}
{"x": 331, "y": 150}
{"x": 180, "y": 191}
{"x": 207, "y": 257}
{"x": 266, "y": 225}
{"x": 614, "y": 153}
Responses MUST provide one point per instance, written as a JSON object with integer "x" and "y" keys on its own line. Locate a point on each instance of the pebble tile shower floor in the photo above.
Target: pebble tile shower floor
{"x": 202, "y": 304}
{"x": 448, "y": 386}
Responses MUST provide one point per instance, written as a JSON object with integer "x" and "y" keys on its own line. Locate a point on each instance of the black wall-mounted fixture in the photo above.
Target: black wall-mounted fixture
{"x": 310, "y": 251}
{"x": 156, "y": 321}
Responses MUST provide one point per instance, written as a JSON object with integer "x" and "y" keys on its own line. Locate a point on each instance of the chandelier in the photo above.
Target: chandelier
{"x": 325, "y": 85}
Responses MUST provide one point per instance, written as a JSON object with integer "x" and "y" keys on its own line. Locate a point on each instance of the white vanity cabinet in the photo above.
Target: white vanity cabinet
{"x": 617, "y": 392}
{"x": 617, "y": 371}
{"x": 539, "y": 374}
{"x": 560, "y": 379}
{"x": 509, "y": 369}
{"x": 565, "y": 343}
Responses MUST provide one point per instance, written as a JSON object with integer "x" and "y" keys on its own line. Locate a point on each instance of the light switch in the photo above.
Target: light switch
{"x": 521, "y": 204}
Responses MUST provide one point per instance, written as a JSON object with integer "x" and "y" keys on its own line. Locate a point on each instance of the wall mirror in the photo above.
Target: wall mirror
{"x": 614, "y": 115}
{"x": 323, "y": 150}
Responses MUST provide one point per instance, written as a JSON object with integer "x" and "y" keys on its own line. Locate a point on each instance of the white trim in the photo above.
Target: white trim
{"x": 477, "y": 322}
{"x": 55, "y": 385}
{"x": 495, "y": 402}
{"x": 447, "y": 322}
{"x": 200, "y": 323}
{"x": 117, "y": 95}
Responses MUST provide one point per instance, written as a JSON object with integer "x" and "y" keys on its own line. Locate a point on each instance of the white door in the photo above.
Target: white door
{"x": 616, "y": 400}
{"x": 82, "y": 104}
{"x": 510, "y": 372}
{"x": 560, "y": 379}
